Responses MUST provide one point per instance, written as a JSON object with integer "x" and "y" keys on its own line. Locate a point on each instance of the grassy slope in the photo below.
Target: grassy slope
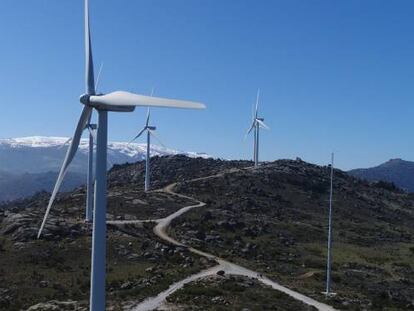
{"x": 232, "y": 293}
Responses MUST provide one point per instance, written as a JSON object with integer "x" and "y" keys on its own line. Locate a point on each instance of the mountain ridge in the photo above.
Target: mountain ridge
{"x": 31, "y": 164}
{"x": 397, "y": 171}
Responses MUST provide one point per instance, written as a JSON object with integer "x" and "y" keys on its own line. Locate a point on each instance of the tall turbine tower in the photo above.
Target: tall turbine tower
{"x": 150, "y": 129}
{"x": 257, "y": 123}
{"x": 118, "y": 101}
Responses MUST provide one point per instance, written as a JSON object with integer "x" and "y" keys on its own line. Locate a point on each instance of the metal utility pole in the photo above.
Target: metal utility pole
{"x": 329, "y": 259}
{"x": 147, "y": 162}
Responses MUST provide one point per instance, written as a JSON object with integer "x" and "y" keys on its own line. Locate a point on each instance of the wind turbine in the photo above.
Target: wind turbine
{"x": 257, "y": 123}
{"x": 119, "y": 101}
{"x": 150, "y": 131}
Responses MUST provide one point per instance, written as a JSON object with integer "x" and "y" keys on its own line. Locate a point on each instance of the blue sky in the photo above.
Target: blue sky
{"x": 334, "y": 75}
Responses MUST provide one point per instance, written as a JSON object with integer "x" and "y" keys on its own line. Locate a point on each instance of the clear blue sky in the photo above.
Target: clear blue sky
{"x": 334, "y": 75}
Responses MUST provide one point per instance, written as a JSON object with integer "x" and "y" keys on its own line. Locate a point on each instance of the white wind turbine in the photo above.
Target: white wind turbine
{"x": 150, "y": 129}
{"x": 257, "y": 123}
{"x": 118, "y": 101}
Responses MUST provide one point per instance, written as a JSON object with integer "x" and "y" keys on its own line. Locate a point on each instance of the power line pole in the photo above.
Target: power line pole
{"x": 329, "y": 259}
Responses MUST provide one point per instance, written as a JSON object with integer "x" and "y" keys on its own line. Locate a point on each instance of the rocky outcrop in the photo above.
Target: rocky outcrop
{"x": 57, "y": 306}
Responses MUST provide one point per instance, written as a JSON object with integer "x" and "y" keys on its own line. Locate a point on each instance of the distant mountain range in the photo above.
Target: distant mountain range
{"x": 31, "y": 164}
{"x": 397, "y": 171}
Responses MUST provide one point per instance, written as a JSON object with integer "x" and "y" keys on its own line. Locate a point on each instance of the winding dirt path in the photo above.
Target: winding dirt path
{"x": 161, "y": 230}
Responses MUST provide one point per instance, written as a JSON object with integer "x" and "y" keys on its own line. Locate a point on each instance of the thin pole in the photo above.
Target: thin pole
{"x": 147, "y": 162}
{"x": 255, "y": 146}
{"x": 257, "y": 143}
{"x": 329, "y": 260}
{"x": 89, "y": 182}
{"x": 98, "y": 268}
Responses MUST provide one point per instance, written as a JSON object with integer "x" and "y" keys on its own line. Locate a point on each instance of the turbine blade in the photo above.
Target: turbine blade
{"x": 92, "y": 131}
{"x": 139, "y": 134}
{"x": 65, "y": 143}
{"x": 127, "y": 99}
{"x": 263, "y": 125}
{"x": 253, "y": 113}
{"x": 257, "y": 104}
{"x": 70, "y": 154}
{"x": 89, "y": 75}
{"x": 249, "y": 130}
{"x": 148, "y": 117}
{"x": 148, "y": 111}
{"x": 251, "y": 127}
{"x": 157, "y": 138}
{"x": 109, "y": 161}
{"x": 98, "y": 78}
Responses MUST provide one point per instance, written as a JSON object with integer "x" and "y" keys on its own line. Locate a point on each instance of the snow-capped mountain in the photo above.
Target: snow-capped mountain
{"x": 38, "y": 154}
{"x": 31, "y": 164}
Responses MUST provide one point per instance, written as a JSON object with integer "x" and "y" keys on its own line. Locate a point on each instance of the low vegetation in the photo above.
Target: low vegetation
{"x": 232, "y": 293}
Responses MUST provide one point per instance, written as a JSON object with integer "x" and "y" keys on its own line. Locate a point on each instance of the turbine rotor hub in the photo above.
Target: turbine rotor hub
{"x": 84, "y": 99}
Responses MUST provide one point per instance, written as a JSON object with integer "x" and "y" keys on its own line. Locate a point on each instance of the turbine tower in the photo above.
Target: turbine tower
{"x": 92, "y": 129}
{"x": 119, "y": 101}
{"x": 90, "y": 178}
{"x": 150, "y": 129}
{"x": 257, "y": 123}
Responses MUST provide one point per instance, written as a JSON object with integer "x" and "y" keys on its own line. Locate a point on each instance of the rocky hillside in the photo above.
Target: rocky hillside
{"x": 274, "y": 220}
{"x": 397, "y": 171}
{"x": 169, "y": 169}
{"x": 271, "y": 219}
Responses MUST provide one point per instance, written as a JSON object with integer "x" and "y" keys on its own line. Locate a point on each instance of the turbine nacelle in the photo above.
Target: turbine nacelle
{"x": 91, "y": 101}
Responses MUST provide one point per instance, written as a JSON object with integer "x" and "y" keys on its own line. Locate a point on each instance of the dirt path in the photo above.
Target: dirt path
{"x": 161, "y": 230}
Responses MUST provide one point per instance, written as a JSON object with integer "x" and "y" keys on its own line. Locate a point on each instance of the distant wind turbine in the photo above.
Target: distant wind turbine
{"x": 119, "y": 101}
{"x": 257, "y": 123}
{"x": 150, "y": 131}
